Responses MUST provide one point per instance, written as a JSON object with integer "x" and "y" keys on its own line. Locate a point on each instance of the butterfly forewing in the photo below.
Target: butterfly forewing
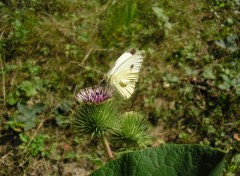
{"x": 119, "y": 61}
{"x": 125, "y": 73}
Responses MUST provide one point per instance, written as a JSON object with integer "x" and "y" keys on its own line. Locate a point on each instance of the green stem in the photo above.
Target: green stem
{"x": 107, "y": 147}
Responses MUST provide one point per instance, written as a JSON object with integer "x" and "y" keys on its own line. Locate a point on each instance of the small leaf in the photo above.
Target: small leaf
{"x": 220, "y": 43}
{"x": 158, "y": 12}
{"x": 69, "y": 155}
{"x": 29, "y": 88}
{"x": 170, "y": 78}
{"x": 190, "y": 71}
{"x": 229, "y": 43}
{"x": 208, "y": 73}
{"x": 62, "y": 121}
{"x": 224, "y": 86}
{"x": 24, "y": 138}
{"x": 94, "y": 160}
{"x": 225, "y": 78}
{"x": 29, "y": 125}
{"x": 12, "y": 99}
{"x": 28, "y": 115}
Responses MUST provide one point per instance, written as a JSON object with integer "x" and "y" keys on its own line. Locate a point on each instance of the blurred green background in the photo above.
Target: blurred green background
{"x": 189, "y": 85}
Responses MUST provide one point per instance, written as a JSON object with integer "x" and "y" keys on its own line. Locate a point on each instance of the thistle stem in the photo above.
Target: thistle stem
{"x": 107, "y": 147}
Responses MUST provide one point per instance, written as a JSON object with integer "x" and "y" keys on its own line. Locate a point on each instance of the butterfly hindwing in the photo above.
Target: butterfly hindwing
{"x": 125, "y": 83}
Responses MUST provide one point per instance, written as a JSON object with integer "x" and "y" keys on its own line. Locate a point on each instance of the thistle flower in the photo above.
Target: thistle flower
{"x": 98, "y": 116}
{"x": 94, "y": 95}
{"x": 95, "y": 115}
{"x": 133, "y": 130}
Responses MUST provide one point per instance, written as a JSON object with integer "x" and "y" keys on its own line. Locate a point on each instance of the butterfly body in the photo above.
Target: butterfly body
{"x": 125, "y": 72}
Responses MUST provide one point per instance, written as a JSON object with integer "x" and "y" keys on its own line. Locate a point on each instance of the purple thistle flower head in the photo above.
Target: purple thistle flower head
{"x": 95, "y": 95}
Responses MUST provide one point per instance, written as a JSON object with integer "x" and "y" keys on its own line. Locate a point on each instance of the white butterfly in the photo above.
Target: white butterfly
{"x": 125, "y": 72}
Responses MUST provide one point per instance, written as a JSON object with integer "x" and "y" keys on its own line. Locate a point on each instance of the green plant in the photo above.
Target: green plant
{"x": 26, "y": 90}
{"x": 134, "y": 19}
{"x": 99, "y": 116}
{"x": 25, "y": 117}
{"x": 234, "y": 165}
{"x": 34, "y": 146}
{"x": 61, "y": 111}
{"x": 188, "y": 88}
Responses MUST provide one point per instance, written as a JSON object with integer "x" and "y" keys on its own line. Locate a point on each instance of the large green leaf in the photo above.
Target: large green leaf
{"x": 167, "y": 160}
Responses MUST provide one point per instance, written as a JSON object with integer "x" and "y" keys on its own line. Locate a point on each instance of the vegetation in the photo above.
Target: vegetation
{"x": 189, "y": 85}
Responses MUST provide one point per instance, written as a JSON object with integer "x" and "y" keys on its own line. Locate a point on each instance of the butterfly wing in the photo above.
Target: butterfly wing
{"x": 125, "y": 73}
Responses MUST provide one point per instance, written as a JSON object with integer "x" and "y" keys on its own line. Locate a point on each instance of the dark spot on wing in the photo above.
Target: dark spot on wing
{"x": 132, "y": 66}
{"x": 132, "y": 51}
{"x": 122, "y": 84}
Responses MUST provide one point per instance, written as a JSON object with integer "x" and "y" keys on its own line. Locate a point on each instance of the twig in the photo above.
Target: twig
{"x": 103, "y": 49}
{"x": 3, "y": 157}
{"x": 90, "y": 51}
{"x": 2, "y": 33}
{"x": 3, "y": 82}
{"x": 87, "y": 67}
{"x": 35, "y": 133}
{"x": 86, "y": 56}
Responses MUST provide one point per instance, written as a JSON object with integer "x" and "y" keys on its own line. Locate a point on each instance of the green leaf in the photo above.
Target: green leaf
{"x": 29, "y": 88}
{"x": 208, "y": 73}
{"x": 94, "y": 160}
{"x": 189, "y": 71}
{"x": 167, "y": 160}
{"x": 229, "y": 43}
{"x": 69, "y": 155}
{"x": 225, "y": 78}
{"x": 24, "y": 138}
{"x": 28, "y": 115}
{"x": 224, "y": 86}
{"x": 12, "y": 99}
{"x": 170, "y": 78}
{"x": 163, "y": 19}
{"x": 62, "y": 121}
